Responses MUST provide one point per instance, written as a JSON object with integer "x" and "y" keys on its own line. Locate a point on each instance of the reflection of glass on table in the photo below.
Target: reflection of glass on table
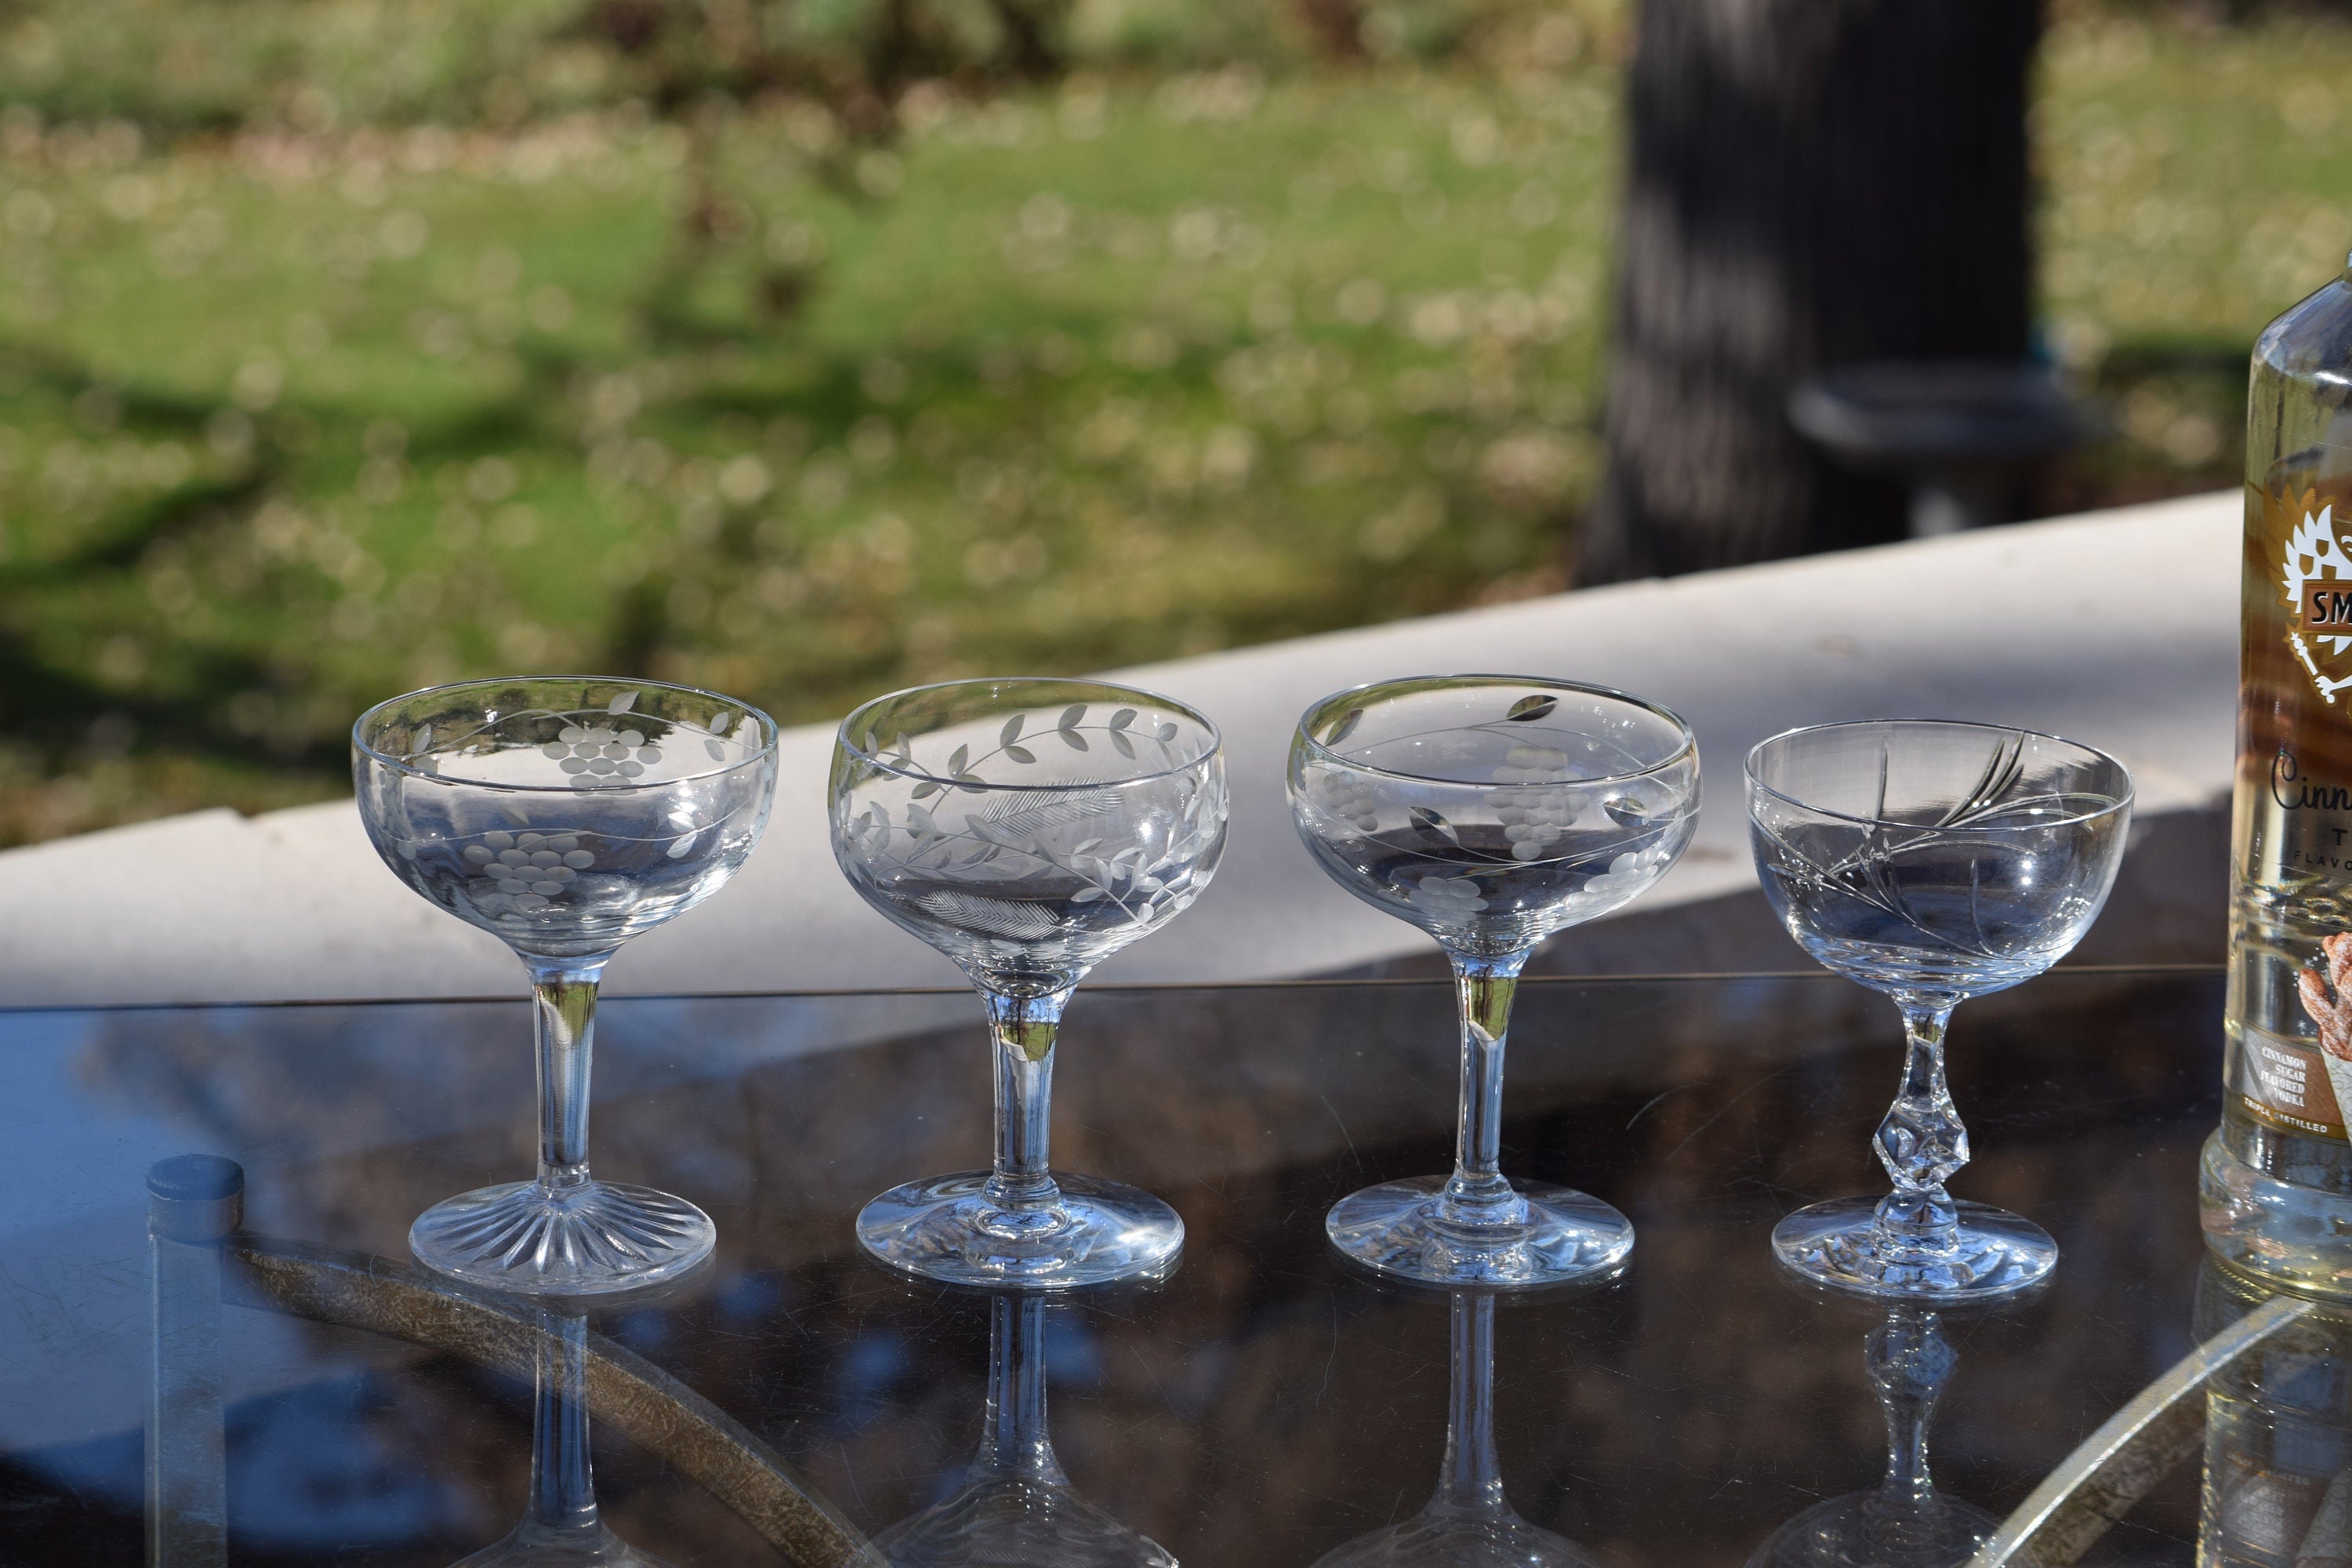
{"x": 562, "y": 1528}
{"x": 1468, "y": 1522}
{"x": 1904, "y": 1522}
{"x": 1016, "y": 1507}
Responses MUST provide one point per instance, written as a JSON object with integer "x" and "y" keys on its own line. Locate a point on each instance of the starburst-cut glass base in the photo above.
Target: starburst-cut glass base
{"x": 947, "y": 1229}
{"x": 1994, "y": 1253}
{"x": 580, "y": 1241}
{"x": 1550, "y": 1236}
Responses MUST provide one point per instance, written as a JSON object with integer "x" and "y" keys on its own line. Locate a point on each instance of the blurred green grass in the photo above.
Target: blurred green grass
{"x": 351, "y": 399}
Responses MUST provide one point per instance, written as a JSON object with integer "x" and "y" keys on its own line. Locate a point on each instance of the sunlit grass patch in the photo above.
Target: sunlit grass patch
{"x": 1080, "y": 379}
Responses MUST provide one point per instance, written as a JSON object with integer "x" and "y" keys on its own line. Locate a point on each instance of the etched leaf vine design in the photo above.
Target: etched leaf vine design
{"x": 1024, "y": 832}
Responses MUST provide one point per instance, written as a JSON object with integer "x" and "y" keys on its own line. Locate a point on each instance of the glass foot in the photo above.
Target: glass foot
{"x": 1994, "y": 1252}
{"x": 580, "y": 1241}
{"x": 586, "y": 1546}
{"x": 1426, "y": 1543}
{"x": 1032, "y": 1523}
{"x": 946, "y": 1229}
{"x": 1551, "y": 1236}
{"x": 1862, "y": 1530}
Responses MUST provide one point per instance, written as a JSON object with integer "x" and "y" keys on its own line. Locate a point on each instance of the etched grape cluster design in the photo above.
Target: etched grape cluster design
{"x": 1533, "y": 817}
{"x": 528, "y": 869}
{"x": 592, "y": 750}
{"x": 595, "y": 756}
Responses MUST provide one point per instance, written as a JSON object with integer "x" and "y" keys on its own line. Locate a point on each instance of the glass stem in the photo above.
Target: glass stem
{"x": 1922, "y": 1144}
{"x": 1022, "y": 1029}
{"x": 1909, "y": 1361}
{"x": 562, "y": 1481}
{"x": 1015, "y": 1443}
{"x": 564, "y": 1018}
{"x": 1478, "y": 1192}
{"x": 1472, "y": 1481}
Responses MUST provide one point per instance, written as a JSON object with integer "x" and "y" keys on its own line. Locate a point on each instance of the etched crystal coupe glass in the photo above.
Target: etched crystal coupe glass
{"x": 1933, "y": 862}
{"x": 563, "y": 814}
{"x": 1028, "y": 829}
{"x": 1490, "y": 811}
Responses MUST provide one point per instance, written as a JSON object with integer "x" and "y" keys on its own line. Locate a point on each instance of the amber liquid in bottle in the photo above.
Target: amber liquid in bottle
{"x": 2276, "y": 1181}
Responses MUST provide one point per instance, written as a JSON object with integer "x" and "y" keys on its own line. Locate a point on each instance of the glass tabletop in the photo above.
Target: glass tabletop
{"x": 1265, "y": 1406}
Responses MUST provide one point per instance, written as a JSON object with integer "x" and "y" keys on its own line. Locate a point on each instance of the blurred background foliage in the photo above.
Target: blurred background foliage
{"x": 808, "y": 349}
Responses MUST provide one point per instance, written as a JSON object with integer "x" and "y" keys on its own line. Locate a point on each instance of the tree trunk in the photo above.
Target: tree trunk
{"x": 1811, "y": 183}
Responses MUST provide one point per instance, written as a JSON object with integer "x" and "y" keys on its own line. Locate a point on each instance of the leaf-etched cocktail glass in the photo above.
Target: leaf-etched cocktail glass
{"x": 1028, "y": 829}
{"x": 563, "y": 814}
{"x": 1933, "y": 862}
{"x": 1490, "y": 811}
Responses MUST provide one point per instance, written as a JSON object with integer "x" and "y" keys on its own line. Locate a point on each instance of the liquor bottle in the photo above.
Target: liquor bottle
{"x": 2278, "y": 1432}
{"x": 2275, "y": 1185}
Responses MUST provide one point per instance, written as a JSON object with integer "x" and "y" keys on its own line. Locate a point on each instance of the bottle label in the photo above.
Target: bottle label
{"x": 2286, "y": 1084}
{"x": 2290, "y": 1059}
{"x": 2315, "y": 578}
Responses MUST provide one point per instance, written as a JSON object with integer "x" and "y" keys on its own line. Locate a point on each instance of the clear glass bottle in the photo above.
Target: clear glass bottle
{"x": 2278, "y": 1432}
{"x": 2276, "y": 1181}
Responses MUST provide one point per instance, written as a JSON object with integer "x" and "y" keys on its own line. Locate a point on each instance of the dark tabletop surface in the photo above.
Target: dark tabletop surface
{"x": 1261, "y": 1407}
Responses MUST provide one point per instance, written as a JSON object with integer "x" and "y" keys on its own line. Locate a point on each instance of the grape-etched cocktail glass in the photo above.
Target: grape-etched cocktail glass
{"x": 1028, "y": 829}
{"x": 1490, "y": 811}
{"x": 563, "y": 814}
{"x": 1933, "y": 862}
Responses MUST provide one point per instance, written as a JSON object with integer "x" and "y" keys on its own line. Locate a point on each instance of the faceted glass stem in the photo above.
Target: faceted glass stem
{"x": 1922, "y": 1144}
{"x": 1477, "y": 1191}
{"x": 1472, "y": 1483}
{"x": 1909, "y": 1361}
{"x": 563, "y": 1018}
{"x": 1022, "y": 1030}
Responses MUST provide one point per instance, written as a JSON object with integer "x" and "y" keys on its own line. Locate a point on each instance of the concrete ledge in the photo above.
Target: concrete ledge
{"x": 2118, "y": 629}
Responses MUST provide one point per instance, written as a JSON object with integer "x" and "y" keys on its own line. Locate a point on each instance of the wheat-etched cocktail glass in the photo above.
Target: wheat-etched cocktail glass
{"x": 563, "y": 814}
{"x": 1028, "y": 829}
{"x": 1931, "y": 861}
{"x": 1490, "y": 811}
